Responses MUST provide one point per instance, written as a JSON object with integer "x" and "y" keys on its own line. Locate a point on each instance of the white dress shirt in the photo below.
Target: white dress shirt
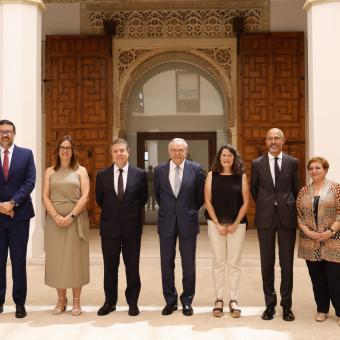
{"x": 10, "y": 153}
{"x": 116, "y": 175}
{"x": 172, "y": 170}
{"x": 272, "y": 164}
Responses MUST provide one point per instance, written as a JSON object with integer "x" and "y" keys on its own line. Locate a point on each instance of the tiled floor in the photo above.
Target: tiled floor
{"x": 150, "y": 324}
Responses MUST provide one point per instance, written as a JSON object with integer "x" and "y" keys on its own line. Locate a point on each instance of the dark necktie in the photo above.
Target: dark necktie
{"x": 120, "y": 192}
{"x": 5, "y": 164}
{"x": 277, "y": 171}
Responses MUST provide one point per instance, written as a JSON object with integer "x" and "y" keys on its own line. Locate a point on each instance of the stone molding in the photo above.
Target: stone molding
{"x": 310, "y": 3}
{"x": 38, "y": 3}
{"x": 132, "y": 60}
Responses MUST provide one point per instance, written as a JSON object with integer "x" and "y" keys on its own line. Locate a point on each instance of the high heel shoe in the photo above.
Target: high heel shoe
{"x": 76, "y": 311}
{"x": 235, "y": 311}
{"x": 59, "y": 310}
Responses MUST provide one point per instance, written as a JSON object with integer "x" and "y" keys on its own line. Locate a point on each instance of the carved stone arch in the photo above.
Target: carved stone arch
{"x": 197, "y": 58}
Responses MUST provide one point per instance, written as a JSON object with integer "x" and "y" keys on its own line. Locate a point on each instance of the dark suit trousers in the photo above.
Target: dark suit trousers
{"x": 286, "y": 243}
{"x": 14, "y": 236}
{"x": 187, "y": 249}
{"x": 325, "y": 278}
{"x": 130, "y": 248}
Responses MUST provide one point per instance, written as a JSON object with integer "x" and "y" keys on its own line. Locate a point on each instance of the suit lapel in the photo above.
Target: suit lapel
{"x": 110, "y": 179}
{"x": 166, "y": 171}
{"x": 266, "y": 169}
{"x": 1, "y": 170}
{"x": 129, "y": 180}
{"x": 14, "y": 161}
{"x": 284, "y": 167}
{"x": 185, "y": 177}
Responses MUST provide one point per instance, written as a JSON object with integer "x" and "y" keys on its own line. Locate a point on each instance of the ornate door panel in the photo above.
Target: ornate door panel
{"x": 271, "y": 94}
{"x": 78, "y": 101}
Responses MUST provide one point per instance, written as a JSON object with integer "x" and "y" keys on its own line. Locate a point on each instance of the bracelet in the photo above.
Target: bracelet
{"x": 236, "y": 222}
{"x": 332, "y": 230}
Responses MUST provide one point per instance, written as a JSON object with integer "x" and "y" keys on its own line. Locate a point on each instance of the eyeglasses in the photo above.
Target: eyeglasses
{"x": 275, "y": 139}
{"x": 65, "y": 148}
{"x": 180, "y": 151}
{"x": 6, "y": 133}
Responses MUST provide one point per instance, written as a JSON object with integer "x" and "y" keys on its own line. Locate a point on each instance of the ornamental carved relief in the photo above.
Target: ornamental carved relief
{"x": 222, "y": 56}
{"x": 126, "y": 57}
{"x": 153, "y": 24}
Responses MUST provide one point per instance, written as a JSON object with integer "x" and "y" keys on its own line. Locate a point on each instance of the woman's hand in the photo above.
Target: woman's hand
{"x": 231, "y": 228}
{"x": 325, "y": 235}
{"x": 311, "y": 234}
{"x": 222, "y": 230}
{"x": 62, "y": 221}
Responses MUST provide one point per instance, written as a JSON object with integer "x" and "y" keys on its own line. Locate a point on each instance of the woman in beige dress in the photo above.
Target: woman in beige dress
{"x": 65, "y": 193}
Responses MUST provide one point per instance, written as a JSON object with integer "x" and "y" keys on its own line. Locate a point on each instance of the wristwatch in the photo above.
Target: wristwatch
{"x": 73, "y": 215}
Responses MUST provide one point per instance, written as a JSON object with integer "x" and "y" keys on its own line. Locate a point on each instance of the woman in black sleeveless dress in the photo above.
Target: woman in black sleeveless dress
{"x": 226, "y": 201}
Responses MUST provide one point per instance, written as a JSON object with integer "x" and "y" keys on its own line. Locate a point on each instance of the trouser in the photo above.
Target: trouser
{"x": 111, "y": 248}
{"x": 14, "y": 237}
{"x": 325, "y": 278}
{"x": 226, "y": 251}
{"x": 286, "y": 242}
{"x": 187, "y": 249}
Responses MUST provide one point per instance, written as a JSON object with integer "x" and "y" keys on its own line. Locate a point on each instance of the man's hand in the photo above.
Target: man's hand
{"x": 6, "y": 208}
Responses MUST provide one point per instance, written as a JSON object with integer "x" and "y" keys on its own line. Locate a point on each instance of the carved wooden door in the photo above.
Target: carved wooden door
{"x": 79, "y": 101}
{"x": 271, "y": 94}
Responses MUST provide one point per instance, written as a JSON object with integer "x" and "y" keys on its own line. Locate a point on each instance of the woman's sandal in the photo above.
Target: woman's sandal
{"x": 59, "y": 310}
{"x": 218, "y": 311}
{"x": 235, "y": 312}
{"x": 76, "y": 311}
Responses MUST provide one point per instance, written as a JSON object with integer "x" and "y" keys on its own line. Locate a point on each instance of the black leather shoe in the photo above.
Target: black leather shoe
{"x": 268, "y": 314}
{"x": 287, "y": 314}
{"x": 169, "y": 309}
{"x": 187, "y": 310}
{"x": 105, "y": 309}
{"x": 20, "y": 311}
{"x": 133, "y": 310}
{"x": 1, "y": 308}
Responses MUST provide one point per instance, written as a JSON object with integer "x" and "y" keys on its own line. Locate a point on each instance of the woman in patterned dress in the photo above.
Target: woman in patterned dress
{"x": 318, "y": 206}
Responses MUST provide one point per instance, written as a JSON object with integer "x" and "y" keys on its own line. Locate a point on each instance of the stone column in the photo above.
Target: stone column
{"x": 323, "y": 26}
{"x": 20, "y": 89}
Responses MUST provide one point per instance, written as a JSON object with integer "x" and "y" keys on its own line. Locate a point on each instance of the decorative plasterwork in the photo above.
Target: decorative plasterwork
{"x": 126, "y": 57}
{"x": 189, "y": 23}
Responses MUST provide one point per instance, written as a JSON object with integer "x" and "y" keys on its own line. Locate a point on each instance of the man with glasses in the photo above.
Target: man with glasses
{"x": 274, "y": 187}
{"x": 17, "y": 180}
{"x": 179, "y": 186}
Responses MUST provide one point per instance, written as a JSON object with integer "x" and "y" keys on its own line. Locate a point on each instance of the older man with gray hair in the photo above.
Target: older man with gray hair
{"x": 179, "y": 191}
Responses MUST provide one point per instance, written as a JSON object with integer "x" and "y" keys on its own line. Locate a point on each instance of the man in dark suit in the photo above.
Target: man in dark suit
{"x": 17, "y": 180}
{"x": 179, "y": 187}
{"x": 274, "y": 187}
{"x": 121, "y": 193}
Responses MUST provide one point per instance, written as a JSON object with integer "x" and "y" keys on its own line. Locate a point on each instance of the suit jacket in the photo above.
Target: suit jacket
{"x": 121, "y": 218}
{"x": 265, "y": 194}
{"x": 19, "y": 184}
{"x": 182, "y": 210}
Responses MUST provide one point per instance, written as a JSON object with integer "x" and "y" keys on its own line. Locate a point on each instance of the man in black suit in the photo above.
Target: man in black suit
{"x": 121, "y": 193}
{"x": 179, "y": 186}
{"x": 17, "y": 180}
{"x": 274, "y": 187}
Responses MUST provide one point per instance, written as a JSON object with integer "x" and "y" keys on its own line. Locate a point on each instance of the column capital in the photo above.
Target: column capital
{"x": 309, "y": 3}
{"x": 38, "y": 3}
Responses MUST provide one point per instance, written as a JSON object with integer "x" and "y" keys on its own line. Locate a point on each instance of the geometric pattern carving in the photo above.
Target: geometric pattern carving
{"x": 221, "y": 55}
{"x": 126, "y": 57}
{"x": 181, "y": 23}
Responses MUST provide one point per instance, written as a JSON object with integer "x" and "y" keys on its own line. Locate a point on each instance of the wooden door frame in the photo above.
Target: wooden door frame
{"x": 204, "y": 135}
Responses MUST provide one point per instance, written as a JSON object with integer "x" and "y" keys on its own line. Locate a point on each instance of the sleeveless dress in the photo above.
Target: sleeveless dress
{"x": 67, "y": 249}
